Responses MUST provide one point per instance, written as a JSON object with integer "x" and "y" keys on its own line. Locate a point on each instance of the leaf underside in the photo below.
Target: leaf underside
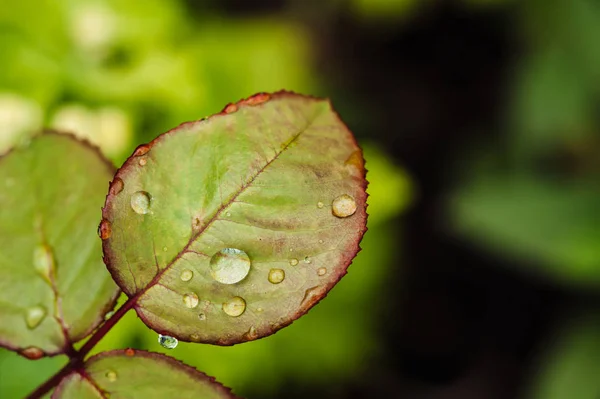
{"x": 128, "y": 374}
{"x": 53, "y": 287}
{"x": 260, "y": 177}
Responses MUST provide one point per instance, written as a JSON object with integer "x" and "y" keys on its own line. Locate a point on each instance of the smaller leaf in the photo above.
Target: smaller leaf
{"x": 138, "y": 374}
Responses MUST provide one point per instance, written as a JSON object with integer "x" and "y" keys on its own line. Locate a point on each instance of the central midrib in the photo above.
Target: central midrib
{"x": 185, "y": 249}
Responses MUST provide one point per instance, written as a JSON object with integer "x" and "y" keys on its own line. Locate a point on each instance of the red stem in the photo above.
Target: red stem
{"x": 76, "y": 357}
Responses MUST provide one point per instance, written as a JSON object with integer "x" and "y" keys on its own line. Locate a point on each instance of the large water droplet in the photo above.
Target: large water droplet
{"x": 321, "y": 271}
{"x": 116, "y": 186}
{"x": 186, "y": 275}
{"x": 35, "y": 315}
{"x": 167, "y": 342}
{"x": 105, "y": 229}
{"x": 276, "y": 276}
{"x": 234, "y": 307}
{"x": 343, "y": 206}
{"x": 43, "y": 262}
{"x": 140, "y": 202}
{"x": 229, "y": 265}
{"x": 111, "y": 376}
{"x": 190, "y": 300}
{"x": 293, "y": 261}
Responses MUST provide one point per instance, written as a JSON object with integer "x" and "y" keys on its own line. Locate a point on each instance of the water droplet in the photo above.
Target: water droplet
{"x": 291, "y": 249}
{"x": 35, "y": 315}
{"x": 105, "y": 229}
{"x": 32, "y": 353}
{"x": 116, "y": 186}
{"x": 186, "y": 275}
{"x": 234, "y": 307}
{"x": 355, "y": 161}
{"x": 140, "y": 202}
{"x": 321, "y": 241}
{"x": 202, "y": 316}
{"x": 276, "y": 276}
{"x": 142, "y": 162}
{"x": 293, "y": 261}
{"x": 259, "y": 310}
{"x": 311, "y": 296}
{"x": 129, "y": 352}
{"x": 321, "y": 271}
{"x": 167, "y": 342}
{"x": 141, "y": 150}
{"x": 190, "y": 300}
{"x": 320, "y": 205}
{"x": 343, "y": 206}
{"x": 165, "y": 249}
{"x": 230, "y": 108}
{"x": 307, "y": 259}
{"x": 228, "y": 214}
{"x": 111, "y": 376}
{"x": 43, "y": 262}
{"x": 258, "y": 99}
{"x": 252, "y": 334}
{"x": 229, "y": 265}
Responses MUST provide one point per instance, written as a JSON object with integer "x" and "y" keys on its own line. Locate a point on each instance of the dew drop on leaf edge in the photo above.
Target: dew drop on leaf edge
{"x": 167, "y": 341}
{"x": 343, "y": 206}
{"x": 230, "y": 265}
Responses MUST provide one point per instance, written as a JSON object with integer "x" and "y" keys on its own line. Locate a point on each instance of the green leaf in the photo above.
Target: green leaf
{"x": 227, "y": 229}
{"x": 138, "y": 374}
{"x": 53, "y": 287}
{"x": 571, "y": 368}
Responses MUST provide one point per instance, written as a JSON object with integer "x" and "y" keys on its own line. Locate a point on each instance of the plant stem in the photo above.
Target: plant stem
{"x": 77, "y": 357}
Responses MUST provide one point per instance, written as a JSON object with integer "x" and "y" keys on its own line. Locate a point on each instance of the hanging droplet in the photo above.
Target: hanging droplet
{"x": 293, "y": 261}
{"x": 34, "y": 316}
{"x": 276, "y": 276}
{"x": 186, "y": 275}
{"x": 190, "y": 300}
{"x": 343, "y": 206}
{"x": 111, "y": 376}
{"x": 234, "y": 307}
{"x": 321, "y": 271}
{"x": 230, "y": 265}
{"x": 116, "y": 186}
{"x": 140, "y": 202}
{"x": 320, "y": 205}
{"x": 43, "y": 262}
{"x": 105, "y": 229}
{"x": 167, "y": 342}
{"x": 306, "y": 259}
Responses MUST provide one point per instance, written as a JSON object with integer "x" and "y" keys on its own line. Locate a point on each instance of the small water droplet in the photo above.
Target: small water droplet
{"x": 320, "y": 205}
{"x": 32, "y": 353}
{"x": 291, "y": 249}
{"x": 321, "y": 271}
{"x": 141, "y": 150}
{"x": 343, "y": 206}
{"x": 252, "y": 334}
{"x": 116, "y": 186}
{"x": 142, "y": 162}
{"x": 230, "y": 108}
{"x": 307, "y": 259}
{"x": 35, "y": 315}
{"x": 230, "y": 265}
{"x": 258, "y": 99}
{"x": 165, "y": 249}
{"x": 167, "y": 342}
{"x": 105, "y": 229}
{"x": 140, "y": 202}
{"x": 321, "y": 241}
{"x": 276, "y": 276}
{"x": 43, "y": 262}
{"x": 228, "y": 214}
{"x": 293, "y": 261}
{"x": 259, "y": 310}
{"x": 111, "y": 376}
{"x": 129, "y": 352}
{"x": 234, "y": 307}
{"x": 202, "y": 316}
{"x": 190, "y": 300}
{"x": 186, "y": 275}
